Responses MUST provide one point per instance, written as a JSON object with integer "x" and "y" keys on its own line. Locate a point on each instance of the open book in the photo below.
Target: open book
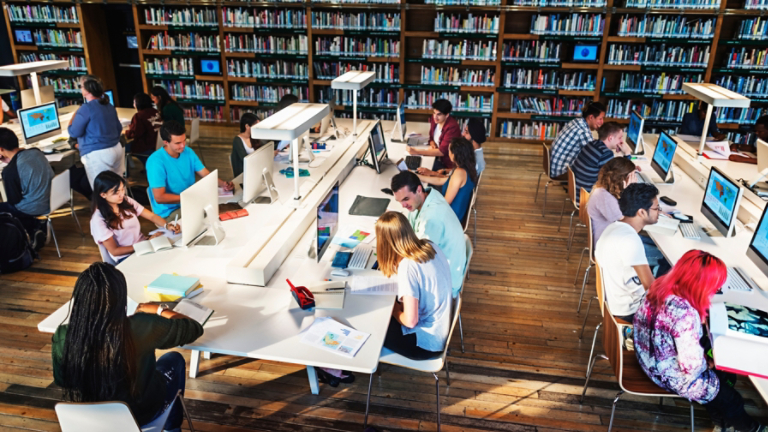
{"x": 739, "y": 338}
{"x": 151, "y": 246}
{"x": 720, "y": 150}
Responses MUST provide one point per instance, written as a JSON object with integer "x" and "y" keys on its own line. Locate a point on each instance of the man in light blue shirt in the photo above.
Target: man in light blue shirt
{"x": 171, "y": 170}
{"x": 433, "y": 219}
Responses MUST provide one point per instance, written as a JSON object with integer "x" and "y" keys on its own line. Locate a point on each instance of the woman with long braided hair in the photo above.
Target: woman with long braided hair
{"x": 104, "y": 355}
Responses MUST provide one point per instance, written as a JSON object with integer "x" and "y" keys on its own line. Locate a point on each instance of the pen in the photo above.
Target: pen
{"x": 176, "y": 221}
{"x": 334, "y": 289}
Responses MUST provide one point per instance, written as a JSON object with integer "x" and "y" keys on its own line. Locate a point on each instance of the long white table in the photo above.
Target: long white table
{"x": 264, "y": 322}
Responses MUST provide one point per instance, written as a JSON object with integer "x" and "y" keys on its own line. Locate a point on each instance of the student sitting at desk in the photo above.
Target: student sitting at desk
{"x": 243, "y": 144}
{"x": 667, "y": 334}
{"x": 574, "y": 136}
{"x": 597, "y": 153}
{"x": 474, "y": 131}
{"x": 761, "y": 132}
{"x": 27, "y": 179}
{"x": 97, "y": 129}
{"x": 603, "y": 206}
{"x": 171, "y": 170}
{"x": 459, "y": 183}
{"x": 115, "y": 221}
{"x": 620, "y": 252}
{"x": 693, "y": 124}
{"x": 433, "y": 219}
{"x": 421, "y": 318}
{"x": 443, "y": 128}
{"x": 102, "y": 355}
{"x": 168, "y": 107}
{"x": 144, "y": 127}
{"x": 7, "y": 113}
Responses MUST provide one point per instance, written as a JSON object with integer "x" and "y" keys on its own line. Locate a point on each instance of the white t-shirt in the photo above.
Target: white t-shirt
{"x": 129, "y": 235}
{"x": 5, "y": 106}
{"x": 617, "y": 251}
{"x": 438, "y": 132}
{"x": 248, "y": 149}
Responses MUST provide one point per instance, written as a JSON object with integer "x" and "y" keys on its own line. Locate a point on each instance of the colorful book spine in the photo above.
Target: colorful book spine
{"x": 58, "y": 38}
{"x": 420, "y": 99}
{"x": 561, "y": 3}
{"x": 662, "y": 83}
{"x": 657, "y": 110}
{"x": 352, "y": 46}
{"x": 753, "y": 29}
{"x": 556, "y": 106}
{"x": 665, "y": 26}
{"x": 203, "y": 42}
{"x": 76, "y": 63}
{"x": 463, "y": 2}
{"x": 193, "y": 89}
{"x": 264, "y": 18}
{"x": 742, "y": 116}
{"x": 567, "y": 24}
{"x": 188, "y": 16}
{"x": 457, "y": 23}
{"x": 268, "y": 94}
{"x": 61, "y": 84}
{"x": 459, "y": 50}
{"x": 674, "y": 4}
{"x": 356, "y": 21}
{"x": 297, "y": 45}
{"x": 658, "y": 55}
{"x": 368, "y": 97}
{"x": 385, "y": 72}
{"x": 262, "y": 69}
{"x": 528, "y": 130}
{"x": 531, "y": 51}
{"x": 486, "y": 123}
{"x": 358, "y": 1}
{"x": 169, "y": 66}
{"x": 206, "y": 113}
{"x": 747, "y": 58}
{"x": 42, "y": 14}
{"x": 457, "y": 76}
{"x": 235, "y": 112}
{"x": 749, "y": 86}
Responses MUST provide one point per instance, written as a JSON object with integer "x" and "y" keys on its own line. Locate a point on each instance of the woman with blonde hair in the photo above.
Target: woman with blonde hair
{"x": 421, "y": 318}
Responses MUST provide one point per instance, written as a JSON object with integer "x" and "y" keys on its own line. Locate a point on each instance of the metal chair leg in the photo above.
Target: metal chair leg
{"x": 590, "y": 367}
{"x": 186, "y": 413}
{"x": 613, "y": 409}
{"x": 583, "y": 286}
{"x": 573, "y": 235}
{"x": 578, "y": 269}
{"x": 586, "y": 315}
{"x": 461, "y": 333}
{"x": 692, "y": 427}
{"x": 53, "y": 234}
{"x": 474, "y": 232}
{"x": 592, "y": 350}
{"x": 447, "y": 374}
{"x": 544, "y": 206}
{"x": 368, "y": 402}
{"x": 437, "y": 393}
{"x": 570, "y": 229}
{"x": 562, "y": 211}
{"x": 72, "y": 210}
{"x": 538, "y": 183}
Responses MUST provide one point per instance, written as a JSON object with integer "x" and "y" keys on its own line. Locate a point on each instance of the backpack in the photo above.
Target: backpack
{"x": 16, "y": 251}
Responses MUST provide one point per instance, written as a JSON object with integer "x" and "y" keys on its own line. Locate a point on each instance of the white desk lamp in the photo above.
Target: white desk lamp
{"x": 32, "y": 69}
{"x": 355, "y": 81}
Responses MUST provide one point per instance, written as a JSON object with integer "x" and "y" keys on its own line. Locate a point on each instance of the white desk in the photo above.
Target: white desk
{"x": 264, "y": 322}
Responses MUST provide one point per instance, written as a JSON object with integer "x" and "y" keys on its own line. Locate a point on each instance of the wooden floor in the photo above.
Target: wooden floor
{"x": 523, "y": 368}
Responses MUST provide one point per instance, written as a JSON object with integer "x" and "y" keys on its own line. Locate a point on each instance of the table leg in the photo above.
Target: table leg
{"x": 207, "y": 355}
{"x": 194, "y": 363}
{"x": 314, "y": 385}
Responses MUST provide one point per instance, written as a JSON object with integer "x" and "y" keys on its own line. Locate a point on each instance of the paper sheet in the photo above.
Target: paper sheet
{"x": 330, "y": 335}
{"x": 351, "y": 236}
{"x": 54, "y": 157}
{"x": 373, "y": 285}
{"x": 193, "y": 310}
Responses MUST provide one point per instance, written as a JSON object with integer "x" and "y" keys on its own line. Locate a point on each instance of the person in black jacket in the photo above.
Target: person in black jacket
{"x": 243, "y": 144}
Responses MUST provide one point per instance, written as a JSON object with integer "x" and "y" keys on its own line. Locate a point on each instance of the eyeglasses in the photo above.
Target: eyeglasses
{"x": 655, "y": 208}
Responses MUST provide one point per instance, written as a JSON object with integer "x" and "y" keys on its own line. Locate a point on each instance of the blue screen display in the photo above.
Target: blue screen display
{"x": 665, "y": 152}
{"x": 210, "y": 66}
{"x": 633, "y": 131}
{"x": 720, "y": 196}
{"x": 760, "y": 240}
{"x": 585, "y": 53}
{"x": 23, "y": 36}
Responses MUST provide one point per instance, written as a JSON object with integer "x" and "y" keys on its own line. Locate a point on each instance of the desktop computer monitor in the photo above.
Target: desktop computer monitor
{"x": 761, "y": 147}
{"x": 332, "y": 113}
{"x": 200, "y": 208}
{"x": 255, "y": 165}
{"x": 398, "y": 131}
{"x": 110, "y": 96}
{"x": 635, "y": 133}
{"x": 720, "y": 205}
{"x": 40, "y": 122}
{"x": 758, "y": 247}
{"x": 663, "y": 156}
{"x": 377, "y": 146}
{"x": 327, "y": 220}
{"x": 28, "y": 96}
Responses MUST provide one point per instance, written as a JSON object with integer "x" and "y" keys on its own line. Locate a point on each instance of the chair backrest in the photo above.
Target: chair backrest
{"x": 545, "y": 159}
{"x": 468, "y": 243}
{"x": 467, "y": 216}
{"x": 599, "y": 287}
{"x": 590, "y": 234}
{"x": 149, "y": 197}
{"x": 194, "y": 134}
{"x": 105, "y": 256}
{"x": 583, "y": 199}
{"x": 96, "y": 417}
{"x": 572, "y": 187}
{"x": 60, "y": 191}
{"x": 612, "y": 342}
{"x": 159, "y": 142}
{"x": 456, "y": 310}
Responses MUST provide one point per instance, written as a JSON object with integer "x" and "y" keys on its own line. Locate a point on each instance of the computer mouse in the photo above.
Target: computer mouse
{"x": 339, "y": 273}
{"x": 332, "y": 137}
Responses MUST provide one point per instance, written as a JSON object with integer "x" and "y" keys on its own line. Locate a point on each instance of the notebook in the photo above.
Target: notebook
{"x": 365, "y": 206}
{"x": 170, "y": 284}
{"x": 665, "y": 226}
{"x": 194, "y": 310}
{"x": 156, "y": 244}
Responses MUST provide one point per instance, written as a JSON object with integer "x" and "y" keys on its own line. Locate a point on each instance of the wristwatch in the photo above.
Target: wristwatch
{"x": 160, "y": 308}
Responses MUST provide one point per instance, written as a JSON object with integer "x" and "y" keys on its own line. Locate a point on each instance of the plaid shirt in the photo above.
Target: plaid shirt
{"x": 568, "y": 143}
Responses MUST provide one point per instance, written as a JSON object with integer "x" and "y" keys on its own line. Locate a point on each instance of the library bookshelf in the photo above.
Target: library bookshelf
{"x": 62, "y": 31}
{"x": 509, "y": 62}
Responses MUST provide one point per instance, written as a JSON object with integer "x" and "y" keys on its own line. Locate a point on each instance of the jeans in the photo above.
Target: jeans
{"x": 728, "y": 407}
{"x": 173, "y": 368}
{"x": 656, "y": 261}
{"x": 405, "y": 345}
{"x": 29, "y": 223}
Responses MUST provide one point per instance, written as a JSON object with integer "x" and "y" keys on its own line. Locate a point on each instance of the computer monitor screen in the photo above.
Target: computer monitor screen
{"x": 23, "y": 37}
{"x": 762, "y": 155}
{"x": 327, "y": 220}
{"x": 40, "y": 122}
{"x": 209, "y": 66}
{"x": 721, "y": 201}
{"x": 194, "y": 201}
{"x": 401, "y": 112}
{"x": 111, "y": 96}
{"x": 132, "y": 42}
{"x": 254, "y": 166}
{"x": 585, "y": 53}
{"x": 662, "y": 157}
{"x": 758, "y": 247}
{"x": 377, "y": 146}
{"x": 635, "y": 131}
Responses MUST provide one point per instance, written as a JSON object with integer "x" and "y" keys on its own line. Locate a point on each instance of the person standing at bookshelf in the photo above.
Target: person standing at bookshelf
{"x": 693, "y": 124}
{"x": 443, "y": 128}
{"x": 97, "y": 129}
{"x": 169, "y": 108}
{"x": 574, "y": 136}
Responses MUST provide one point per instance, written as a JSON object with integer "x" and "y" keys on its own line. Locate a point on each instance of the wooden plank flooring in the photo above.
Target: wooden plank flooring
{"x": 523, "y": 368}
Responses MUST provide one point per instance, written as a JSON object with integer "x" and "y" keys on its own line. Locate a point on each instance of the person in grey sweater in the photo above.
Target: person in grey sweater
{"x": 27, "y": 181}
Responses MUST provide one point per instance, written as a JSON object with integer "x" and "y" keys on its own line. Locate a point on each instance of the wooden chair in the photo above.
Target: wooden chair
{"x": 599, "y": 289}
{"x": 561, "y": 180}
{"x": 572, "y": 191}
{"x": 629, "y": 374}
{"x": 584, "y": 216}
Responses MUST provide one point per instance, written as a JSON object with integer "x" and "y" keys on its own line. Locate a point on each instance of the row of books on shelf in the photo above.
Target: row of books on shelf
{"x": 756, "y": 4}
{"x": 657, "y": 110}
{"x": 747, "y": 58}
{"x": 368, "y": 97}
{"x": 742, "y": 116}
{"x": 257, "y": 69}
{"x": 741, "y": 137}
{"x": 188, "y": 16}
{"x": 529, "y": 130}
{"x": 550, "y": 79}
{"x": 30, "y": 13}
{"x": 556, "y": 105}
{"x": 206, "y": 113}
{"x": 674, "y": 4}
{"x": 531, "y": 51}
{"x": 568, "y": 24}
{"x": 76, "y": 62}
{"x": 264, "y": 18}
{"x": 376, "y": 115}
{"x": 749, "y": 86}
{"x": 457, "y": 76}
{"x": 298, "y": 44}
{"x": 204, "y": 42}
{"x": 269, "y": 94}
{"x": 658, "y": 55}
{"x": 381, "y": 21}
{"x": 60, "y": 84}
{"x": 193, "y": 89}
{"x": 486, "y": 123}
{"x": 463, "y": 2}
{"x": 459, "y": 50}
{"x": 235, "y": 112}
{"x": 58, "y": 38}
{"x": 352, "y": 46}
{"x": 753, "y": 29}
{"x": 421, "y": 99}
{"x": 656, "y": 83}
{"x": 560, "y": 3}
{"x": 666, "y": 26}
{"x": 385, "y": 72}
{"x": 457, "y": 23}
{"x": 169, "y": 66}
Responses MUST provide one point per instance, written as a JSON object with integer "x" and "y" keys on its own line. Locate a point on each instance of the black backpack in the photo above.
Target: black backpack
{"x": 16, "y": 251}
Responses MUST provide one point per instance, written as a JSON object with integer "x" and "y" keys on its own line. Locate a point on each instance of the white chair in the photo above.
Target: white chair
{"x": 469, "y": 252}
{"x": 472, "y": 211}
{"x": 61, "y": 194}
{"x": 159, "y": 142}
{"x": 194, "y": 136}
{"x": 105, "y": 256}
{"x": 111, "y": 416}
{"x": 149, "y": 197}
{"x": 432, "y": 366}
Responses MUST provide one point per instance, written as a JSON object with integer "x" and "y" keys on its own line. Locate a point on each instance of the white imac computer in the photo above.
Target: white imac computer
{"x": 327, "y": 222}
{"x": 663, "y": 156}
{"x": 377, "y": 147}
{"x": 200, "y": 212}
{"x": 257, "y": 176}
{"x": 40, "y": 122}
{"x": 398, "y": 131}
{"x": 758, "y": 247}
{"x": 762, "y": 168}
{"x": 331, "y": 114}
{"x": 635, "y": 133}
{"x": 720, "y": 205}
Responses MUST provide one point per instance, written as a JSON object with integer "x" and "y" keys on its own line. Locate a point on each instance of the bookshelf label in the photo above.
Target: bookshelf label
{"x": 678, "y": 40}
{"x": 279, "y": 56}
{"x": 672, "y": 69}
{"x": 431, "y": 87}
{"x": 193, "y": 28}
{"x": 170, "y": 76}
{"x": 429, "y": 60}
{"x": 739, "y": 71}
{"x": 553, "y": 118}
{"x": 201, "y": 101}
{"x": 531, "y": 64}
{"x": 269, "y": 30}
{"x": 470, "y": 114}
{"x": 64, "y": 72}
{"x": 469, "y": 35}
{"x": 634, "y": 95}
{"x": 740, "y": 42}
{"x": 281, "y": 81}
{"x": 526, "y": 90}
{"x": 34, "y": 24}
{"x": 372, "y": 33}
{"x": 570, "y": 38}
{"x": 195, "y": 53}
{"x": 59, "y": 49}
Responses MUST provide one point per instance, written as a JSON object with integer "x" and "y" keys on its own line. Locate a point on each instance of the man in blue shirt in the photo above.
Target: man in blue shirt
{"x": 574, "y": 136}
{"x": 171, "y": 170}
{"x": 432, "y": 218}
{"x": 693, "y": 124}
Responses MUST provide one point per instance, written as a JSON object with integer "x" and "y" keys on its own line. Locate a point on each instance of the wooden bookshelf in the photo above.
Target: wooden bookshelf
{"x": 95, "y": 45}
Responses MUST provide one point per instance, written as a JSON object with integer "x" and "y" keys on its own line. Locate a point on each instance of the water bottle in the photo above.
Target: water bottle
{"x": 15, "y": 104}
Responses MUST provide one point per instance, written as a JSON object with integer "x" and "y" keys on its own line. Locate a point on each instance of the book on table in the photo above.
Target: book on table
{"x": 194, "y": 310}
{"x": 330, "y": 335}
{"x": 156, "y": 244}
{"x": 739, "y": 338}
{"x": 171, "y": 287}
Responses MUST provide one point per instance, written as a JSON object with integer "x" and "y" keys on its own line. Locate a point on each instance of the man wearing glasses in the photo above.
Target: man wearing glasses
{"x": 623, "y": 256}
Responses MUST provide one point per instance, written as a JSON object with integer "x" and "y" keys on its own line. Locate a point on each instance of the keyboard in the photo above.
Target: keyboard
{"x": 736, "y": 281}
{"x": 690, "y": 231}
{"x": 360, "y": 258}
{"x": 413, "y": 162}
{"x": 641, "y": 178}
